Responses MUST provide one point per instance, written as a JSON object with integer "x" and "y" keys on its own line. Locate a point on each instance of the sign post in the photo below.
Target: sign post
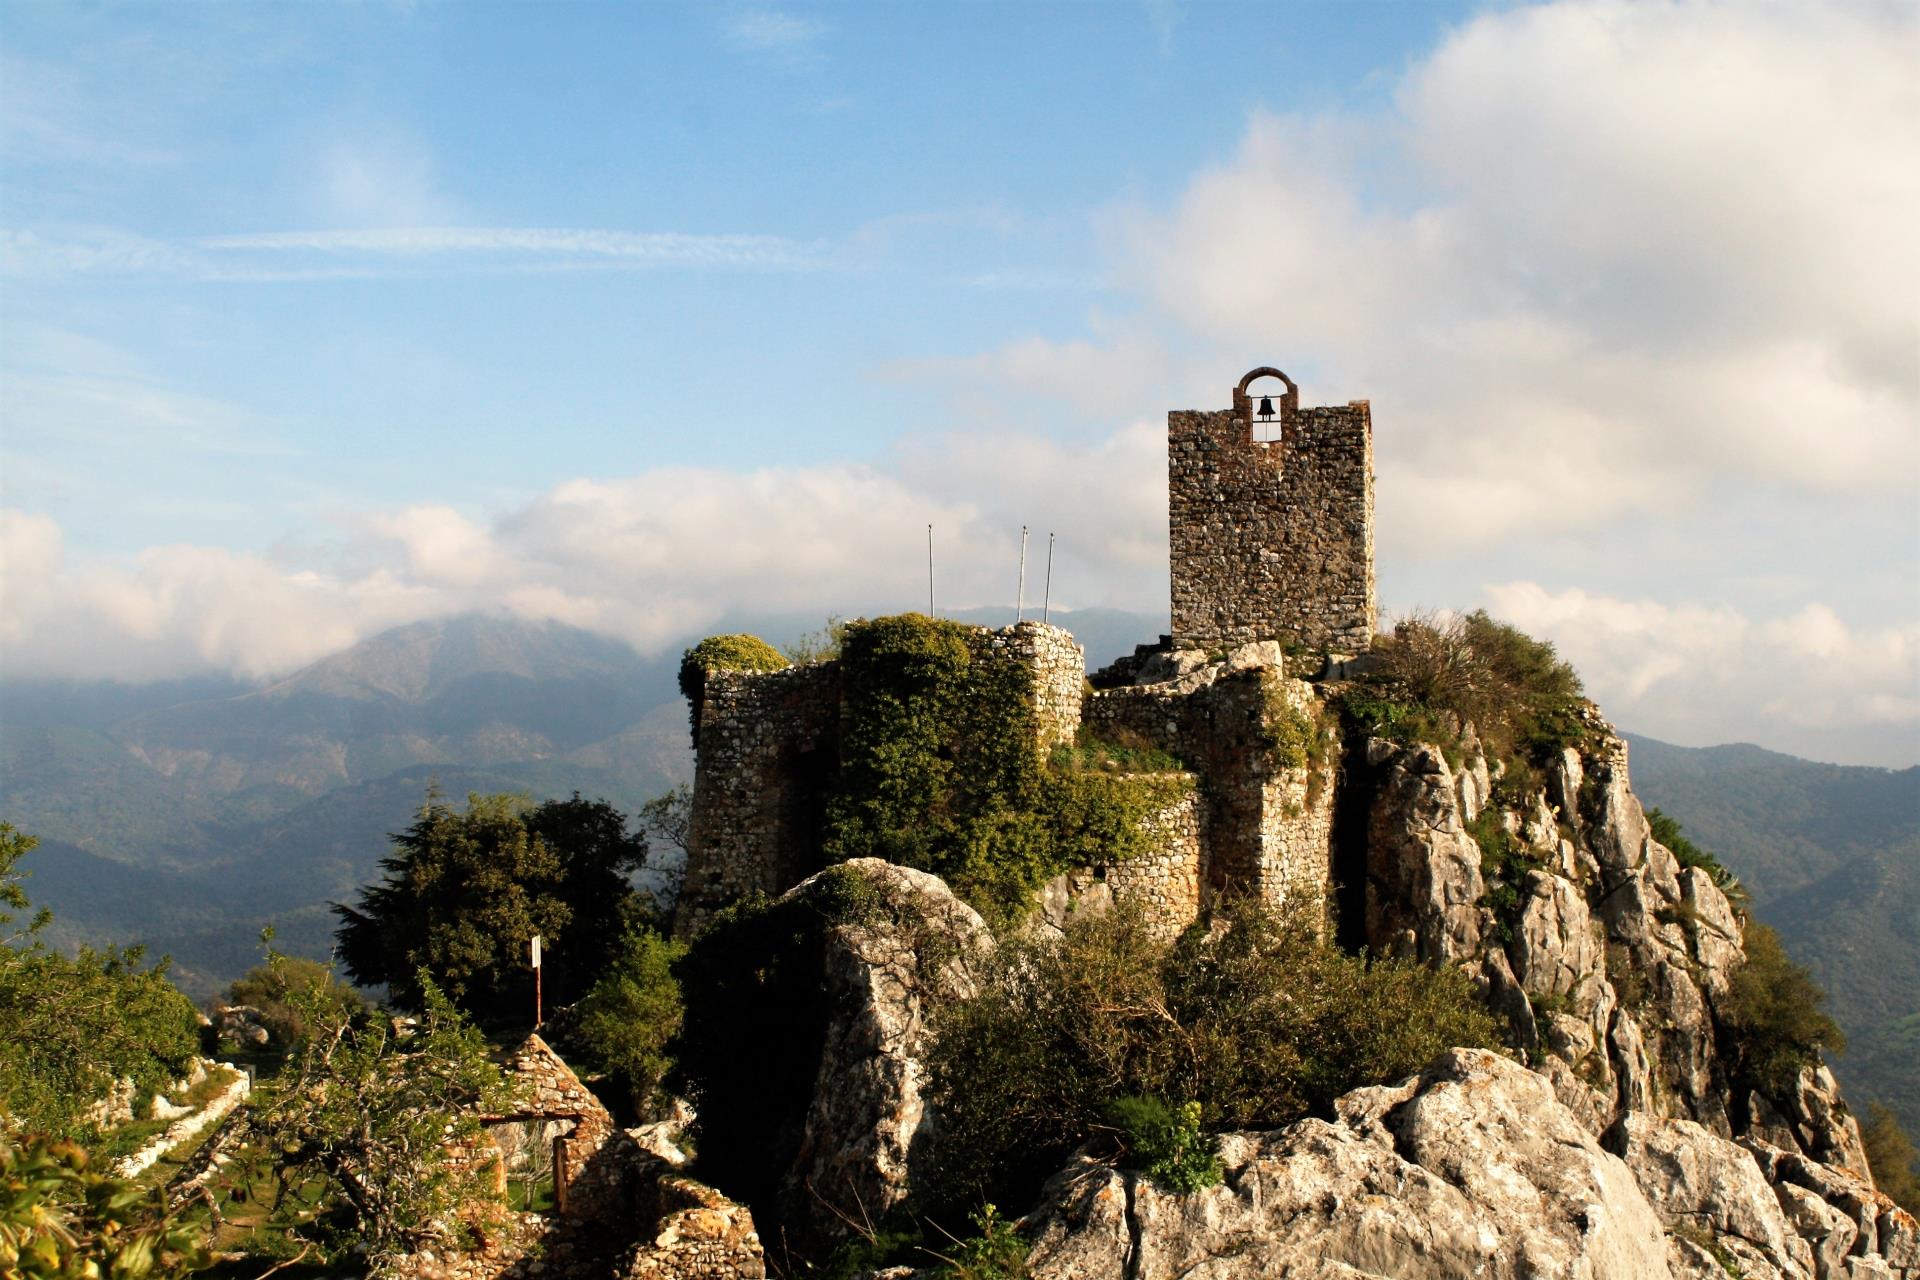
{"x": 535, "y": 948}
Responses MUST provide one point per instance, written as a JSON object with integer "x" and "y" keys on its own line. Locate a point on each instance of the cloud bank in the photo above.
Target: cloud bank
{"x": 1598, "y": 258}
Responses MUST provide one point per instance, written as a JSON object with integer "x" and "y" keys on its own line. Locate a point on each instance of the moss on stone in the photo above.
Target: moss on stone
{"x": 723, "y": 653}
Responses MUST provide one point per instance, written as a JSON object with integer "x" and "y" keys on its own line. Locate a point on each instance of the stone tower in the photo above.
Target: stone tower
{"x": 1272, "y": 540}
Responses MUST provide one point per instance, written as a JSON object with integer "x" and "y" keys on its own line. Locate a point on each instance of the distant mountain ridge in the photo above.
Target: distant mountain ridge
{"x": 1831, "y": 854}
{"x": 187, "y": 814}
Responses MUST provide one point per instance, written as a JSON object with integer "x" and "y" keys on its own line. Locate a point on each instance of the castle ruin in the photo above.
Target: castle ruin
{"x": 1271, "y": 540}
{"x": 1271, "y": 548}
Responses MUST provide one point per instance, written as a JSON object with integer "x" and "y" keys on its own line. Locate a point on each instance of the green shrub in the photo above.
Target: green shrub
{"x": 625, "y": 1022}
{"x": 72, "y": 1026}
{"x": 1165, "y": 1144}
{"x": 1890, "y": 1154}
{"x": 1688, "y": 854}
{"x": 283, "y": 991}
{"x": 818, "y": 646}
{"x": 1435, "y": 675}
{"x": 1774, "y": 1013}
{"x": 1259, "y": 1025}
{"x": 994, "y": 1252}
{"x": 723, "y": 653}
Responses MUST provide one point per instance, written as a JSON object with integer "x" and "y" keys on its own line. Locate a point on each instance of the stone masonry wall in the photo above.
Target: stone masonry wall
{"x": 1264, "y": 827}
{"x": 1058, "y": 673}
{"x": 768, "y": 747}
{"x": 1272, "y": 540}
{"x": 1165, "y": 883}
{"x": 767, "y": 744}
{"x": 1295, "y": 857}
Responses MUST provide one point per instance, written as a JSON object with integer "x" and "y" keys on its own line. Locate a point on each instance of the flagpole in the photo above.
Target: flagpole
{"x": 1046, "y": 600}
{"x": 1020, "y": 599}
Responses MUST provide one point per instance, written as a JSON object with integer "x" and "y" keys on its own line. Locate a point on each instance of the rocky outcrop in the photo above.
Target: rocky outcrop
{"x": 868, "y": 1126}
{"x": 1469, "y": 1169}
{"x": 1423, "y": 869}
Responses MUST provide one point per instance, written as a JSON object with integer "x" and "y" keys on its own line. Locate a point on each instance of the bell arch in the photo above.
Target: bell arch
{"x": 1243, "y": 403}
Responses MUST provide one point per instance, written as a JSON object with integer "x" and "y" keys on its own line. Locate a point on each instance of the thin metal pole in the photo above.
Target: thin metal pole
{"x": 1020, "y": 600}
{"x": 931, "y": 611}
{"x": 1046, "y": 600}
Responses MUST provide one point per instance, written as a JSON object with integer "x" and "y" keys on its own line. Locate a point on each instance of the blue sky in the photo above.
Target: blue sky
{"x": 319, "y": 318}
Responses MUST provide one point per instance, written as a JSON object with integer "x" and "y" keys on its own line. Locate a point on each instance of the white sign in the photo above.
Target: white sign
{"x": 536, "y": 951}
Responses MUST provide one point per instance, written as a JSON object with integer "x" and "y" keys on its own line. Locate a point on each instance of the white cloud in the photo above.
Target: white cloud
{"x": 649, "y": 558}
{"x": 1625, "y": 254}
{"x": 1804, "y": 681}
{"x": 769, "y": 30}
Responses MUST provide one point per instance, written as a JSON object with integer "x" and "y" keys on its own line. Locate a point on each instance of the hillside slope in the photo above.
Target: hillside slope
{"x": 1831, "y": 854}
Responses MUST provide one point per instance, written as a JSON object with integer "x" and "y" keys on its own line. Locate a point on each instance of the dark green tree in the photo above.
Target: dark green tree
{"x": 464, "y": 891}
{"x": 625, "y": 1022}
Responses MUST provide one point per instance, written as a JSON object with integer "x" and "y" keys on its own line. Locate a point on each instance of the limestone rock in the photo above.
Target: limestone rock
{"x": 866, "y": 1127}
{"x": 1614, "y": 824}
{"x": 1469, "y": 1169}
{"x": 1695, "y": 1178}
{"x": 1423, "y": 869}
{"x": 1554, "y": 953}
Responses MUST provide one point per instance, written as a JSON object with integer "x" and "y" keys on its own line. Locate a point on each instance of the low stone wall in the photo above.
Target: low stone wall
{"x": 1265, "y": 824}
{"x": 1164, "y": 882}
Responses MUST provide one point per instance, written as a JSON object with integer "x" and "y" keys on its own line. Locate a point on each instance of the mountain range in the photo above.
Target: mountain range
{"x": 187, "y": 815}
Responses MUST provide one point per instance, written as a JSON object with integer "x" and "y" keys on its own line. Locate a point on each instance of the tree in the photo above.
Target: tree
{"x": 624, "y": 1024}
{"x": 1774, "y": 1010}
{"x": 71, "y": 1027}
{"x": 378, "y": 1114}
{"x": 283, "y": 991}
{"x": 464, "y": 892}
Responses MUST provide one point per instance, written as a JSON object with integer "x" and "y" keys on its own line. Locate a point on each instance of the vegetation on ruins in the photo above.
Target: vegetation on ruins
{"x": 941, "y": 768}
{"x": 723, "y": 653}
{"x": 627, "y": 1020}
{"x": 818, "y": 646}
{"x": 70, "y": 1027}
{"x": 463, "y": 892}
{"x": 1775, "y": 1013}
{"x": 1258, "y": 1021}
{"x": 354, "y": 1132}
{"x": 1434, "y": 675}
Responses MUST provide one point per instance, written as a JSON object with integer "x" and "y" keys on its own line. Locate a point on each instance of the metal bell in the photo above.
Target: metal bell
{"x": 1266, "y": 408}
